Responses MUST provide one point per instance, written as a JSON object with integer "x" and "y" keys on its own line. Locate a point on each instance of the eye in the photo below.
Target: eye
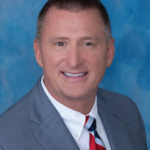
{"x": 60, "y": 44}
{"x": 88, "y": 44}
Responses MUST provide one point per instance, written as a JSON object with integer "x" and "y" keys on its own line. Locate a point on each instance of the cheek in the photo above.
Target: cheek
{"x": 49, "y": 56}
{"x": 97, "y": 68}
{"x": 97, "y": 60}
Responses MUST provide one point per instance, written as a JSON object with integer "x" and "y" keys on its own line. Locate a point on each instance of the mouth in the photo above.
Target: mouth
{"x": 74, "y": 74}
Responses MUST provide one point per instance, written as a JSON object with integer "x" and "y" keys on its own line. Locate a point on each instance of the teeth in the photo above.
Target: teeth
{"x": 74, "y": 75}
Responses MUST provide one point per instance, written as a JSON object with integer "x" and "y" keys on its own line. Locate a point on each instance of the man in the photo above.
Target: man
{"x": 66, "y": 110}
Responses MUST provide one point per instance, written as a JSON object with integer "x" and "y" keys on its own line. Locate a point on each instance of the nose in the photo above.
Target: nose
{"x": 74, "y": 57}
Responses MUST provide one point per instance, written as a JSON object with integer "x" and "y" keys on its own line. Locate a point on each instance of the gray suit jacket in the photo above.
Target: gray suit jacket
{"x": 34, "y": 124}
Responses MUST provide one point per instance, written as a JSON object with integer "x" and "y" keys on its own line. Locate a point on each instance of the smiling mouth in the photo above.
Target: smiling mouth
{"x": 74, "y": 74}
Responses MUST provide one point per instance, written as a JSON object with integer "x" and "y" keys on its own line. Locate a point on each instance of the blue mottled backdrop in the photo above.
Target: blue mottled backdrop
{"x": 128, "y": 75}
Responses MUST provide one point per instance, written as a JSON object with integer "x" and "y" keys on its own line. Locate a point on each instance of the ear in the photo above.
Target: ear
{"x": 110, "y": 52}
{"x": 37, "y": 52}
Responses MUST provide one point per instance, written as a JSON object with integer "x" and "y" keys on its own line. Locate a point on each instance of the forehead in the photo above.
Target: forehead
{"x": 88, "y": 20}
{"x": 57, "y": 14}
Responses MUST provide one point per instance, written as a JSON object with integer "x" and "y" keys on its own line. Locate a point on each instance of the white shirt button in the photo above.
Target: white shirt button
{"x": 99, "y": 129}
{"x": 76, "y": 135}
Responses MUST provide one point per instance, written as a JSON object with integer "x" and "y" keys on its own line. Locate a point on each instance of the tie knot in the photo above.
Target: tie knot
{"x": 90, "y": 123}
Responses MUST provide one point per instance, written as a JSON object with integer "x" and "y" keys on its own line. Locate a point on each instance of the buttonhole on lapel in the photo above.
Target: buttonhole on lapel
{"x": 114, "y": 115}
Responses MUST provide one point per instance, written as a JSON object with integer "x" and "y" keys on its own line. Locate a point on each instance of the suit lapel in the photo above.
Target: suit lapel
{"x": 53, "y": 134}
{"x": 116, "y": 133}
{"x": 51, "y": 130}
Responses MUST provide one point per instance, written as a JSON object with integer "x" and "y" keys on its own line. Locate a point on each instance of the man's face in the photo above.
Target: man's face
{"x": 73, "y": 53}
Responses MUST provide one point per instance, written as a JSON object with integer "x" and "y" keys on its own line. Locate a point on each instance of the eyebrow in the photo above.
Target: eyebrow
{"x": 58, "y": 38}
{"x": 82, "y": 38}
{"x": 90, "y": 38}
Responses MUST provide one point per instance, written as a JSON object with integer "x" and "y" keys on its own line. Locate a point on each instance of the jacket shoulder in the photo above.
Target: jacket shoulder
{"x": 16, "y": 109}
{"x": 116, "y": 99}
{"x": 16, "y": 127}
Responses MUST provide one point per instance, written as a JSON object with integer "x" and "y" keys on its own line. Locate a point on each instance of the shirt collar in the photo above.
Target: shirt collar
{"x": 74, "y": 120}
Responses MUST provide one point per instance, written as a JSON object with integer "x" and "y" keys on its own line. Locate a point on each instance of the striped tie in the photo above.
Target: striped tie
{"x": 96, "y": 142}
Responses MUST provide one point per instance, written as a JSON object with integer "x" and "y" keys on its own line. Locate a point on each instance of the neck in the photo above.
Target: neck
{"x": 83, "y": 105}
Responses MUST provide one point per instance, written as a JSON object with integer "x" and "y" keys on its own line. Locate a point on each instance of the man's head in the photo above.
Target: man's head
{"x": 74, "y": 5}
{"x": 73, "y": 52}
